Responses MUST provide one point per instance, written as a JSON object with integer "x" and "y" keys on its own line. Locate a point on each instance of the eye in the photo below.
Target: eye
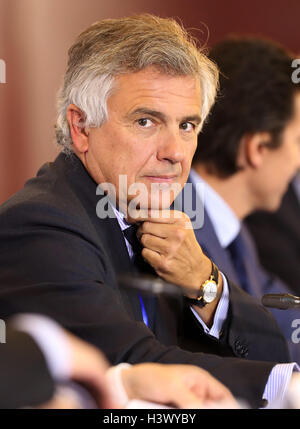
{"x": 187, "y": 126}
{"x": 145, "y": 122}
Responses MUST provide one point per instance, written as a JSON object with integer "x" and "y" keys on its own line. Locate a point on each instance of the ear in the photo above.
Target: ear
{"x": 253, "y": 150}
{"x": 78, "y": 133}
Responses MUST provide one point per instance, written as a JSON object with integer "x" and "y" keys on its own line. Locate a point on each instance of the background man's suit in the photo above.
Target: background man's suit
{"x": 58, "y": 258}
{"x": 277, "y": 237}
{"x": 259, "y": 282}
{"x": 24, "y": 376}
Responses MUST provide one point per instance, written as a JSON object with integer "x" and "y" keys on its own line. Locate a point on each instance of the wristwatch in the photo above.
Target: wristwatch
{"x": 208, "y": 289}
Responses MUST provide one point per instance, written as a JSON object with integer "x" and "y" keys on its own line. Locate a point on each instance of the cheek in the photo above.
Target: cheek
{"x": 290, "y": 162}
{"x": 133, "y": 163}
{"x": 186, "y": 164}
{"x": 134, "y": 153}
{"x": 190, "y": 150}
{"x": 145, "y": 160}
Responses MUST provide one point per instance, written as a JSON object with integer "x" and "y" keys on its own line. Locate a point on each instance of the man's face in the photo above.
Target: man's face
{"x": 281, "y": 164}
{"x": 150, "y": 134}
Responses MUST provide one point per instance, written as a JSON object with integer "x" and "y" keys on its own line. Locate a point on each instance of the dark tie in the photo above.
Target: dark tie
{"x": 237, "y": 252}
{"x": 147, "y": 303}
{"x": 140, "y": 264}
{"x": 130, "y": 235}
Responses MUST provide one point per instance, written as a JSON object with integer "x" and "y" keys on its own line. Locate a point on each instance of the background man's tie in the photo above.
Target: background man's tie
{"x": 237, "y": 252}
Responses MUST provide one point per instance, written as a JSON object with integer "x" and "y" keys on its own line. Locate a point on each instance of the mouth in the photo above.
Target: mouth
{"x": 162, "y": 178}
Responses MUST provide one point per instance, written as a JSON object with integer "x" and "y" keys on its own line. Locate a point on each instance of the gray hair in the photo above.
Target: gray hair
{"x": 112, "y": 47}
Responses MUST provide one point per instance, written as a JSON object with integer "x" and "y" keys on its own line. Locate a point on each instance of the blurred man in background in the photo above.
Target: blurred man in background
{"x": 247, "y": 155}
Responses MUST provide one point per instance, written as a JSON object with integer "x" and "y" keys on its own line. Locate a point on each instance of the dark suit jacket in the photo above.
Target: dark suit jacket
{"x": 260, "y": 282}
{"x": 24, "y": 375}
{"x": 58, "y": 258}
{"x": 277, "y": 237}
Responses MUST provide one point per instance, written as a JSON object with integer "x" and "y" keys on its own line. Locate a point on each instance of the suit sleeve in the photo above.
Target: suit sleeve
{"x": 268, "y": 283}
{"x": 250, "y": 330}
{"x": 24, "y": 376}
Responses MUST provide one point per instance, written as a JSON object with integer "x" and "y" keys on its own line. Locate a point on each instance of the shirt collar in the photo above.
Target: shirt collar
{"x": 123, "y": 225}
{"x": 226, "y": 224}
{"x": 120, "y": 218}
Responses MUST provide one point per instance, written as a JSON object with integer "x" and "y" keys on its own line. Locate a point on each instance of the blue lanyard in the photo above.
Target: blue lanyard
{"x": 144, "y": 313}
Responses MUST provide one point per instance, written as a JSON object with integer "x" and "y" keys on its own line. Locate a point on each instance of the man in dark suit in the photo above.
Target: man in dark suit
{"x": 271, "y": 231}
{"x": 246, "y": 156}
{"x": 135, "y": 94}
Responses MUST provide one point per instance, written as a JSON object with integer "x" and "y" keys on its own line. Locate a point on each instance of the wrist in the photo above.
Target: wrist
{"x": 118, "y": 380}
{"x": 206, "y": 271}
{"x": 208, "y": 291}
{"x": 203, "y": 274}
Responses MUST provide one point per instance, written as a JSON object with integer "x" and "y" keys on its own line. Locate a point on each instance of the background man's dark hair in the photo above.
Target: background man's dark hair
{"x": 256, "y": 95}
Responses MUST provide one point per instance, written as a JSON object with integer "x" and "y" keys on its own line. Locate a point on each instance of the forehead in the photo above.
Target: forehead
{"x": 152, "y": 88}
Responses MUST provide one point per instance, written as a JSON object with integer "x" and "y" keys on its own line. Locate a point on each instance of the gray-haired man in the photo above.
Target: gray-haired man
{"x": 135, "y": 95}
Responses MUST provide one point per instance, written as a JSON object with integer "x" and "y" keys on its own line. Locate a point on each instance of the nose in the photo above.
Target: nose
{"x": 171, "y": 148}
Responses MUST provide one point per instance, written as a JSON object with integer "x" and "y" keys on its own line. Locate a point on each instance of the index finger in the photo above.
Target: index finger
{"x": 158, "y": 216}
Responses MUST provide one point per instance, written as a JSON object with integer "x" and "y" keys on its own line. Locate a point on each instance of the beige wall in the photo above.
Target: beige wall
{"x": 35, "y": 36}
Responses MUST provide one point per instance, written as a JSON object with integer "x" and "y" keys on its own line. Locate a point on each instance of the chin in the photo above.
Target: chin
{"x": 154, "y": 197}
{"x": 162, "y": 200}
{"x": 273, "y": 205}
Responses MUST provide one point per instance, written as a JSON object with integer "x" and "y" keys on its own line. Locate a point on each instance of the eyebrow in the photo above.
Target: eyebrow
{"x": 162, "y": 116}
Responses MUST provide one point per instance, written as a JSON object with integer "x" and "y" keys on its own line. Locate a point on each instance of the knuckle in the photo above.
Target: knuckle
{"x": 169, "y": 249}
{"x": 164, "y": 264}
{"x": 185, "y": 221}
{"x": 181, "y": 216}
{"x": 185, "y": 217}
{"x": 145, "y": 239}
{"x": 145, "y": 253}
{"x": 179, "y": 234}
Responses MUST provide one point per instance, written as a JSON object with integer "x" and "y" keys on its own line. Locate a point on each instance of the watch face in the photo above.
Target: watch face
{"x": 209, "y": 291}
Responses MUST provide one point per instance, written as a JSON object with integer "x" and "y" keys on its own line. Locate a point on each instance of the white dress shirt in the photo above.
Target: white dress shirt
{"x": 225, "y": 222}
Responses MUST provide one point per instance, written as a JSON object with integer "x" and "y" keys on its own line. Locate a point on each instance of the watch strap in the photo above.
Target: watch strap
{"x": 200, "y": 302}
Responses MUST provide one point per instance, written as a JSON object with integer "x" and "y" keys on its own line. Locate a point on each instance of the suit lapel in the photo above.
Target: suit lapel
{"x": 251, "y": 264}
{"x": 115, "y": 245}
{"x": 118, "y": 254}
{"x": 208, "y": 239}
{"x": 107, "y": 229}
{"x": 210, "y": 244}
